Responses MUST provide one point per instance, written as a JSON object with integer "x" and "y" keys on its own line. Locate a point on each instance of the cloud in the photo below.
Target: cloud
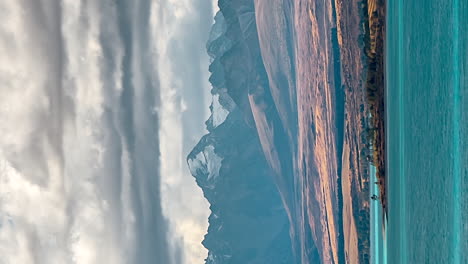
{"x": 180, "y": 31}
{"x": 79, "y": 165}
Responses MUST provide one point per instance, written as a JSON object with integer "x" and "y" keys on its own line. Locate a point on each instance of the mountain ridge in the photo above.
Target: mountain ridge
{"x": 248, "y": 222}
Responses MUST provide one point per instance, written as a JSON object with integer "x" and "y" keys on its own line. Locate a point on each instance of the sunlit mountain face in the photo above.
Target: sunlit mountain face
{"x": 289, "y": 113}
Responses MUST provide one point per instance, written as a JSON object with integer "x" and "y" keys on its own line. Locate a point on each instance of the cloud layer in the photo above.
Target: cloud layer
{"x": 80, "y": 117}
{"x": 183, "y": 69}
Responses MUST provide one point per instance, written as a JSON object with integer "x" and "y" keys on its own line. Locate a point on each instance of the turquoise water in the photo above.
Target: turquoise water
{"x": 378, "y": 250}
{"x": 427, "y": 129}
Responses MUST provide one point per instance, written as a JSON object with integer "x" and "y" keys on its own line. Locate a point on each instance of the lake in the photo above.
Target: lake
{"x": 427, "y": 128}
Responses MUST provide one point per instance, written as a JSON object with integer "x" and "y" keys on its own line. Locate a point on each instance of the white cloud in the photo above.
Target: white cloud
{"x": 52, "y": 113}
{"x": 183, "y": 201}
{"x": 77, "y": 161}
{"x": 79, "y": 145}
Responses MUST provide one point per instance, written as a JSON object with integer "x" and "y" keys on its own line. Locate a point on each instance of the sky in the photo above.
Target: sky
{"x": 101, "y": 102}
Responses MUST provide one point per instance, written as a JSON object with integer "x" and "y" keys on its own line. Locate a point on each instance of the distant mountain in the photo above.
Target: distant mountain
{"x": 271, "y": 165}
{"x": 248, "y": 221}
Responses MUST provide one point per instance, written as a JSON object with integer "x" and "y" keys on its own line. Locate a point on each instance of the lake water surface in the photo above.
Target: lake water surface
{"x": 427, "y": 130}
{"x": 378, "y": 249}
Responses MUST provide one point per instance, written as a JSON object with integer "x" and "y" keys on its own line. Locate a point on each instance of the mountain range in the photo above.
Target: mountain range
{"x": 279, "y": 164}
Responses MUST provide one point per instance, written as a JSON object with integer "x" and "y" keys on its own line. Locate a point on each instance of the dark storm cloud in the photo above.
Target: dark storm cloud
{"x": 140, "y": 127}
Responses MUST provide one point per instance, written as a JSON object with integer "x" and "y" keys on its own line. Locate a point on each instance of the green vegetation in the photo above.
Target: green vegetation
{"x": 375, "y": 91}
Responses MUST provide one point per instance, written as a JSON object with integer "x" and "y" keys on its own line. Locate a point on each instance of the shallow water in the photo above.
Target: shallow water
{"x": 378, "y": 250}
{"x": 427, "y": 128}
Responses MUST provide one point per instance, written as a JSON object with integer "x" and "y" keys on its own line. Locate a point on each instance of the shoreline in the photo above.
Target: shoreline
{"x": 375, "y": 93}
